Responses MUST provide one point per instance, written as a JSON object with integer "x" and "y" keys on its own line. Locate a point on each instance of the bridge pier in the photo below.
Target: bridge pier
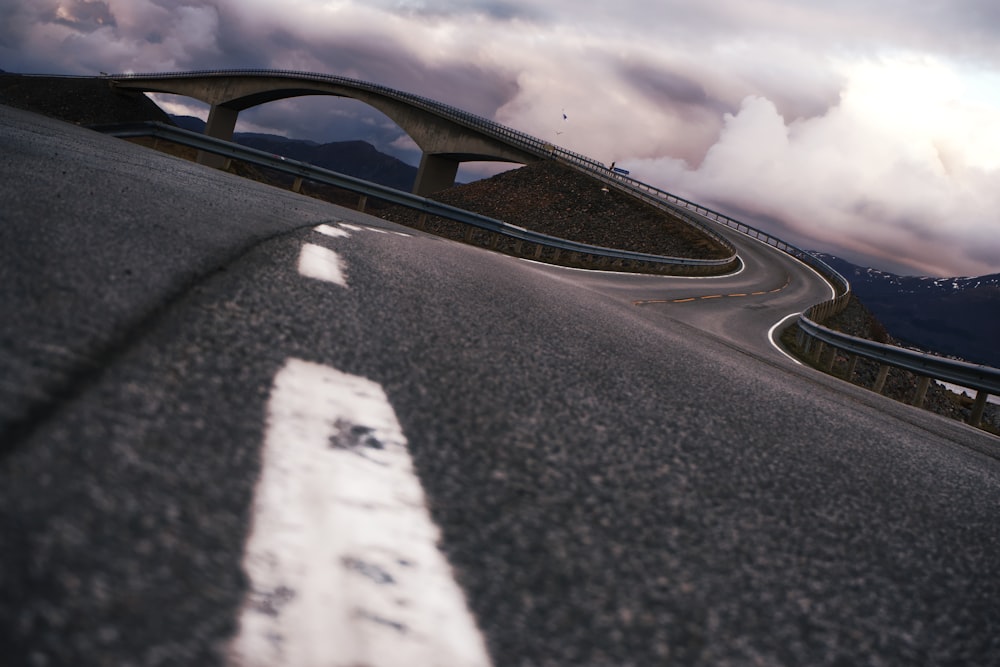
{"x": 435, "y": 174}
{"x": 221, "y": 125}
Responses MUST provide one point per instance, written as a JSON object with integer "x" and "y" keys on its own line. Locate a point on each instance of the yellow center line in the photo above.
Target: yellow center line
{"x": 640, "y": 302}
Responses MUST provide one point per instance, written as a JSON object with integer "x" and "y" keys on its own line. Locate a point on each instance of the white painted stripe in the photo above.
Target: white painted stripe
{"x": 330, "y": 230}
{"x": 353, "y": 228}
{"x": 774, "y": 343}
{"x": 321, "y": 263}
{"x": 342, "y": 557}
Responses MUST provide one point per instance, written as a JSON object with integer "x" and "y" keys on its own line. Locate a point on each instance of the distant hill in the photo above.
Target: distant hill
{"x": 953, "y": 316}
{"x": 354, "y": 158}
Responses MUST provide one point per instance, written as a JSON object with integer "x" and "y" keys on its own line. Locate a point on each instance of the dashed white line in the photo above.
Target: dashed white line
{"x": 330, "y": 230}
{"x": 342, "y": 557}
{"x": 321, "y": 264}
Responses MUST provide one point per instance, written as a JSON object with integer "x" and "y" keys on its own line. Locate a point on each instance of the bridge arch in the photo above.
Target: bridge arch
{"x": 445, "y": 136}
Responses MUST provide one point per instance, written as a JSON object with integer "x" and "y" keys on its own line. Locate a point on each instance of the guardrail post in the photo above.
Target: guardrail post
{"x": 976, "y": 418}
{"x": 818, "y": 354}
{"x": 851, "y": 367}
{"x": 422, "y": 221}
{"x": 828, "y": 367}
{"x": 883, "y": 373}
{"x": 362, "y": 202}
{"x": 918, "y": 397}
{"x": 297, "y": 184}
{"x": 807, "y": 345}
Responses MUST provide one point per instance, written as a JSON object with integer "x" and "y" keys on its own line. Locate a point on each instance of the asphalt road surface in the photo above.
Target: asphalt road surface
{"x": 212, "y": 392}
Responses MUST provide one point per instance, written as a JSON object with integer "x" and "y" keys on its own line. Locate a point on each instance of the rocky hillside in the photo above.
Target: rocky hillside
{"x": 80, "y": 100}
{"x": 553, "y": 199}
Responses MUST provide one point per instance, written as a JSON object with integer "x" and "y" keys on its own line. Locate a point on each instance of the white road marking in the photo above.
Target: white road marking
{"x": 321, "y": 263}
{"x": 353, "y": 228}
{"x": 774, "y": 343}
{"x": 330, "y": 230}
{"x": 561, "y": 267}
{"x": 342, "y": 557}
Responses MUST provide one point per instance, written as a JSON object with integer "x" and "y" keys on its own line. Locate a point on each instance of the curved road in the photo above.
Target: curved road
{"x": 609, "y": 482}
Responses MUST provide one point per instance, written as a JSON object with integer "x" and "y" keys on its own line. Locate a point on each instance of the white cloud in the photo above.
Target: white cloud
{"x": 897, "y": 170}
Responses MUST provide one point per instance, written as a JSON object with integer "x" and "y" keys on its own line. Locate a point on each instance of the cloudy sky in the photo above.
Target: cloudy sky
{"x": 866, "y": 128}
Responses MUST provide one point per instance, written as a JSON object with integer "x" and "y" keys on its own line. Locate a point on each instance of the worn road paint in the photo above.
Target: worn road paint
{"x": 321, "y": 263}
{"x": 342, "y": 558}
{"x": 330, "y": 230}
{"x": 645, "y": 302}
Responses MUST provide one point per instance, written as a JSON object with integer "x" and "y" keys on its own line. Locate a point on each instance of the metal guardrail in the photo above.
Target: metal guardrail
{"x": 962, "y": 373}
{"x": 391, "y": 195}
{"x": 984, "y": 379}
{"x": 981, "y": 378}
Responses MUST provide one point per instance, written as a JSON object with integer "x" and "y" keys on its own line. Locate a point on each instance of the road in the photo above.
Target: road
{"x": 610, "y": 483}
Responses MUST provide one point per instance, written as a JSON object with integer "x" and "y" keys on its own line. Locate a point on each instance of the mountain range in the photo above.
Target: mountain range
{"x": 354, "y": 158}
{"x": 958, "y": 317}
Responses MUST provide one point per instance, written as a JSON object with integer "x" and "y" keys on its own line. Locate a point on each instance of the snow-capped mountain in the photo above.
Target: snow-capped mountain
{"x": 953, "y": 316}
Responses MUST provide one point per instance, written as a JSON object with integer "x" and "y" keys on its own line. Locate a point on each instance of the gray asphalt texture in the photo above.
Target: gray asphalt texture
{"x": 616, "y": 484}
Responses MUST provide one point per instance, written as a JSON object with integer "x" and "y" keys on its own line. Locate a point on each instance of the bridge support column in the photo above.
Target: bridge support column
{"x": 435, "y": 174}
{"x": 221, "y": 125}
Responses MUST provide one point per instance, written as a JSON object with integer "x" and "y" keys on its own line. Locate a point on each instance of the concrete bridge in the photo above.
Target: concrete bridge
{"x": 446, "y": 136}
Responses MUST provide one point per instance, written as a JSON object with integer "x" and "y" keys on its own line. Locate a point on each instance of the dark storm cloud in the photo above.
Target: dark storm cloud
{"x": 498, "y": 11}
{"x": 470, "y": 86}
{"x": 669, "y": 88}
